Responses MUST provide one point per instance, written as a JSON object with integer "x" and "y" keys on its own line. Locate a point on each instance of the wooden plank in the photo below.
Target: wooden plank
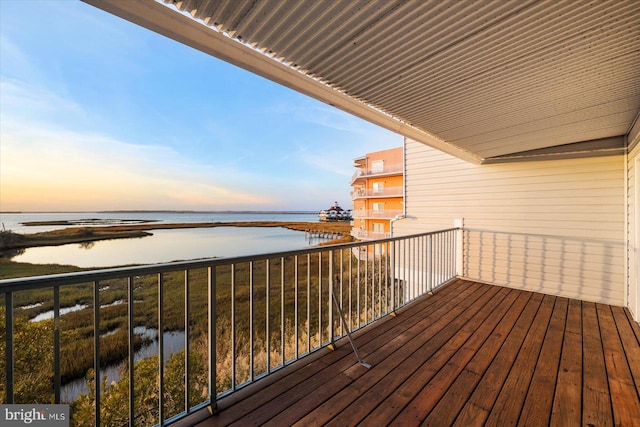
{"x": 635, "y": 326}
{"x": 447, "y": 409}
{"x": 624, "y": 396}
{"x": 479, "y": 405}
{"x": 596, "y": 403}
{"x": 567, "y": 403}
{"x": 539, "y": 401}
{"x": 630, "y": 342}
{"x": 508, "y": 405}
{"x": 426, "y": 342}
{"x": 464, "y": 344}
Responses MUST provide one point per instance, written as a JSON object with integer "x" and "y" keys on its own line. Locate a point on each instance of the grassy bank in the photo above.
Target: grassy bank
{"x": 14, "y": 241}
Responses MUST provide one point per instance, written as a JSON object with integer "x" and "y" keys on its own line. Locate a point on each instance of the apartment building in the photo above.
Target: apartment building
{"x": 378, "y": 193}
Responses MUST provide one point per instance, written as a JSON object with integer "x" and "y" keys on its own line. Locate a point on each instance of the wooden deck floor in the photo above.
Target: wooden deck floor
{"x": 472, "y": 354}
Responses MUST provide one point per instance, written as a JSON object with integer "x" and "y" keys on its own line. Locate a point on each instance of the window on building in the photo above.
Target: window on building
{"x": 378, "y": 207}
{"x": 378, "y": 187}
{"x": 377, "y": 228}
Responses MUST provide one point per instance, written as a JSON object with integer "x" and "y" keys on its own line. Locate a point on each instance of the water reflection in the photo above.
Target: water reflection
{"x": 171, "y": 245}
{"x": 173, "y": 341}
{"x": 87, "y": 245}
{"x": 63, "y": 310}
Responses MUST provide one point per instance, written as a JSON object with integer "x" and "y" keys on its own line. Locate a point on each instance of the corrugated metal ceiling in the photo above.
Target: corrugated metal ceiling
{"x": 492, "y": 78}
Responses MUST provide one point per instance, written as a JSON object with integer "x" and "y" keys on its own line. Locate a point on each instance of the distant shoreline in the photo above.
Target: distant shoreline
{"x": 13, "y": 241}
{"x": 165, "y": 211}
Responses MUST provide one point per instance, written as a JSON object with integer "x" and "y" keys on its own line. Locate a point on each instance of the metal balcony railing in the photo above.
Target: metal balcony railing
{"x": 364, "y": 234}
{"x": 373, "y": 214}
{"x": 387, "y": 169}
{"x": 242, "y": 318}
{"x": 385, "y": 192}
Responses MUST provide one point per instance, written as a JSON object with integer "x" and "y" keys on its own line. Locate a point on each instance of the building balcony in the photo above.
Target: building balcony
{"x": 362, "y": 193}
{"x": 262, "y": 327}
{"x": 368, "y": 235}
{"x": 365, "y": 173}
{"x": 373, "y": 214}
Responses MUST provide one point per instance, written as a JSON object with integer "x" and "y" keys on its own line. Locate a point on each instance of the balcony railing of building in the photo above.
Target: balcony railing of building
{"x": 388, "y": 169}
{"x": 371, "y": 193}
{"x": 373, "y": 214}
{"x": 369, "y": 235}
{"x": 241, "y": 319}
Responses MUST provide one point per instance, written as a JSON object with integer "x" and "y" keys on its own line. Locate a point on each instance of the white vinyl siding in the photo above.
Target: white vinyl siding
{"x": 550, "y": 226}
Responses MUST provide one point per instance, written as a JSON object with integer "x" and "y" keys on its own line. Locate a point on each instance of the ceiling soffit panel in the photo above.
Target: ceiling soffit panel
{"x": 490, "y": 78}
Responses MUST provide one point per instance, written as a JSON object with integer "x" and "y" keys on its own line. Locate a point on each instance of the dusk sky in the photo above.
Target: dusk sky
{"x": 97, "y": 113}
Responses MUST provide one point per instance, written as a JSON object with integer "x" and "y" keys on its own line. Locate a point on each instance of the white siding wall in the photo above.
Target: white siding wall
{"x": 550, "y": 226}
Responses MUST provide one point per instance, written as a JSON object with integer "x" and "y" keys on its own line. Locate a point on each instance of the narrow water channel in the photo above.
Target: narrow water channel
{"x": 173, "y": 343}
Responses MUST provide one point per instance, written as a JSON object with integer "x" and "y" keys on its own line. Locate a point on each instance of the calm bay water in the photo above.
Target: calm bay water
{"x": 163, "y": 245}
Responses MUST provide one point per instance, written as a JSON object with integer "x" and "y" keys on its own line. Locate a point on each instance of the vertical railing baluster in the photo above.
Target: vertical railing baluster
{"x": 423, "y": 264}
{"x": 429, "y": 264}
{"x": 330, "y": 301}
{"x": 412, "y": 267}
{"x": 440, "y": 258}
{"x": 407, "y": 272}
{"x": 366, "y": 285}
{"x": 351, "y": 286}
{"x": 452, "y": 249}
{"x": 56, "y": 344}
{"x": 359, "y": 260}
{"x": 392, "y": 275}
{"x": 386, "y": 278}
{"x": 340, "y": 325}
{"x": 320, "y": 299}
{"x": 416, "y": 266}
{"x": 378, "y": 277}
{"x": 268, "y": 317}
{"x": 454, "y": 252}
{"x": 9, "y": 347}
{"x": 160, "y": 349}
{"x": 282, "y": 326}
{"x": 132, "y": 349}
{"x": 187, "y": 349}
{"x": 251, "y": 320}
{"x": 450, "y": 244}
{"x": 308, "y": 303}
{"x": 96, "y": 348}
{"x": 296, "y": 317}
{"x": 212, "y": 316}
{"x": 233, "y": 327}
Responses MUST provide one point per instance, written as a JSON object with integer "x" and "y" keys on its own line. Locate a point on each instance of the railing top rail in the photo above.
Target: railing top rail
{"x": 34, "y": 282}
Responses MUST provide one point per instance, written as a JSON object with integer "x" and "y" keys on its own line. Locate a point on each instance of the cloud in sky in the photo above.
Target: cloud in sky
{"x": 100, "y": 114}
{"x": 66, "y": 170}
